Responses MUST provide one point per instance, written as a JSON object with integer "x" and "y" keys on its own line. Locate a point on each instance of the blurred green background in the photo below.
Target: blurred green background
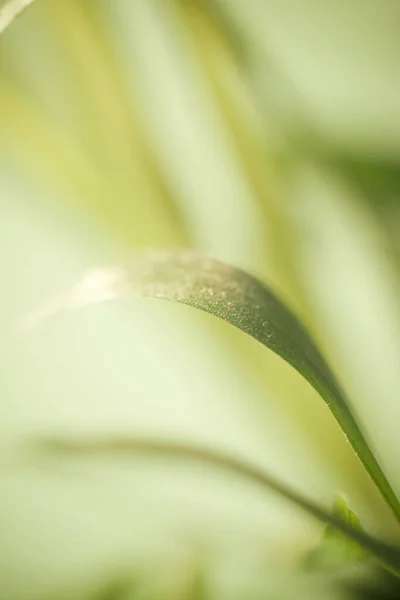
{"x": 264, "y": 133}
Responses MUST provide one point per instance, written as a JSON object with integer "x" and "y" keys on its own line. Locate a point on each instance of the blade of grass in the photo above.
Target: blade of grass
{"x": 387, "y": 554}
{"x": 11, "y": 10}
{"x": 238, "y": 298}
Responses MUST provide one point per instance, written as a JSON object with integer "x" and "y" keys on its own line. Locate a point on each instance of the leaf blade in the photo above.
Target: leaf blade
{"x": 11, "y": 10}
{"x": 238, "y": 298}
{"x": 334, "y": 550}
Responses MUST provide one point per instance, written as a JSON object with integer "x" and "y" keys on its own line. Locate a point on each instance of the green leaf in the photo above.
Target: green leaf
{"x": 238, "y": 298}
{"x": 10, "y": 11}
{"x": 388, "y": 555}
{"x": 336, "y": 550}
{"x": 342, "y": 511}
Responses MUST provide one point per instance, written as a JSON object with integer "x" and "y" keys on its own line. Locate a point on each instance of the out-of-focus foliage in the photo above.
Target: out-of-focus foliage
{"x": 335, "y": 549}
{"x": 266, "y": 134}
{"x": 238, "y": 298}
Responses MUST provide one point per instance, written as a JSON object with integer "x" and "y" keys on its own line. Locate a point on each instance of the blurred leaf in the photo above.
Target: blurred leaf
{"x": 374, "y": 585}
{"x": 387, "y": 554}
{"x": 335, "y": 550}
{"x": 342, "y": 511}
{"x": 11, "y": 10}
{"x": 377, "y": 181}
{"x": 117, "y": 589}
{"x": 238, "y": 298}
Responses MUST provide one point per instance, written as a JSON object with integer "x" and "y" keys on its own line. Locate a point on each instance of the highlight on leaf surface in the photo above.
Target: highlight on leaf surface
{"x": 387, "y": 555}
{"x": 11, "y": 11}
{"x": 236, "y": 297}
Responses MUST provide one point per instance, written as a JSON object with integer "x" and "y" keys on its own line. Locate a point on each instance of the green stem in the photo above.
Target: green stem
{"x": 388, "y": 555}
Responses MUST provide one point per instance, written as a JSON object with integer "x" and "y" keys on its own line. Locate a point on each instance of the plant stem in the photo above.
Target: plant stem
{"x": 388, "y": 555}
